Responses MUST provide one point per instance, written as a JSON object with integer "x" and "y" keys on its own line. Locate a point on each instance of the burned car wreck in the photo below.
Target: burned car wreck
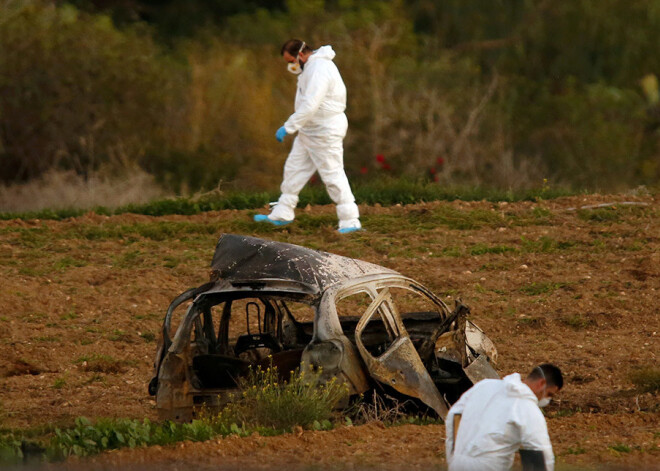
{"x": 367, "y": 325}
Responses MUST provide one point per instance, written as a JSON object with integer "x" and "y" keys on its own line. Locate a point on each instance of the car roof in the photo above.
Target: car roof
{"x": 244, "y": 261}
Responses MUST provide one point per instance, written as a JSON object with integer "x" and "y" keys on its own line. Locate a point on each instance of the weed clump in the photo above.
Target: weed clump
{"x": 646, "y": 379}
{"x": 102, "y": 364}
{"x": 577, "y": 321}
{"x": 270, "y": 402}
{"x": 10, "y": 449}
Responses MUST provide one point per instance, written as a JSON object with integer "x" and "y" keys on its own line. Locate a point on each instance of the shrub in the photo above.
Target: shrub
{"x": 268, "y": 401}
{"x": 10, "y": 449}
{"x": 76, "y": 91}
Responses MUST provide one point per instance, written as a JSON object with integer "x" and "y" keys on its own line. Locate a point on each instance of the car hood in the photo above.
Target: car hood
{"x": 242, "y": 260}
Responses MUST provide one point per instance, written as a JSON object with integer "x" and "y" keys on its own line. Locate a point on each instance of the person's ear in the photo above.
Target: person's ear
{"x": 542, "y": 385}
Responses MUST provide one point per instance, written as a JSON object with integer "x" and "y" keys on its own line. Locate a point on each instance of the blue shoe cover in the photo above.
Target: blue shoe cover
{"x": 348, "y": 230}
{"x": 274, "y": 222}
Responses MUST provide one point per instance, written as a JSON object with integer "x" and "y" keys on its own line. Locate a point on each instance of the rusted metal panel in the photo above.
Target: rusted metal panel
{"x": 399, "y": 366}
{"x": 187, "y": 373}
{"x": 480, "y": 369}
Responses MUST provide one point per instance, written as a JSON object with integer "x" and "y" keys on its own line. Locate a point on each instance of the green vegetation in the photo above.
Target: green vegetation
{"x": 646, "y": 378}
{"x": 86, "y": 439}
{"x": 267, "y": 405}
{"x": 59, "y": 383}
{"x": 577, "y": 321}
{"x": 484, "y": 249}
{"x": 102, "y": 364}
{"x": 534, "y": 322}
{"x": 148, "y": 336}
{"x": 10, "y": 449}
{"x": 576, "y": 450}
{"x": 119, "y": 335}
{"x": 534, "y": 288}
{"x": 545, "y": 245}
{"x": 387, "y": 192}
{"x": 620, "y": 448}
{"x": 510, "y": 94}
{"x": 613, "y": 213}
{"x": 268, "y": 401}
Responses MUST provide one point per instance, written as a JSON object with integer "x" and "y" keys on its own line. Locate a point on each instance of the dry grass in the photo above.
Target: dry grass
{"x": 646, "y": 378}
{"x": 66, "y": 190}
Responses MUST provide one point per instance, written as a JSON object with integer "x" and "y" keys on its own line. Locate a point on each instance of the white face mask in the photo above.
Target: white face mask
{"x": 294, "y": 68}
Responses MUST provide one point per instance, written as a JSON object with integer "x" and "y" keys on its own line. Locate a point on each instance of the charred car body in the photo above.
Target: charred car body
{"x": 367, "y": 325}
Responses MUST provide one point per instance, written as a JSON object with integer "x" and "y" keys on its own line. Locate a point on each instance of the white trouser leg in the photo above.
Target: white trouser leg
{"x": 298, "y": 169}
{"x": 327, "y": 153}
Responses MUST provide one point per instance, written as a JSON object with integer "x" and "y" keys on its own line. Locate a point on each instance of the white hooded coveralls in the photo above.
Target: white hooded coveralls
{"x": 321, "y": 124}
{"x": 498, "y": 417}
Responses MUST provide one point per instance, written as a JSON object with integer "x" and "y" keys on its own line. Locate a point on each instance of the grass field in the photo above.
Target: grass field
{"x": 83, "y": 299}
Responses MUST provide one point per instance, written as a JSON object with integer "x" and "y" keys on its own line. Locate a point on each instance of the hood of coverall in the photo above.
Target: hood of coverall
{"x": 324, "y": 52}
{"x": 516, "y": 388}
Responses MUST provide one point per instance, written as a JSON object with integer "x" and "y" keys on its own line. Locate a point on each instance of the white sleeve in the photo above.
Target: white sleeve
{"x": 315, "y": 92}
{"x": 456, "y": 409}
{"x": 534, "y": 436}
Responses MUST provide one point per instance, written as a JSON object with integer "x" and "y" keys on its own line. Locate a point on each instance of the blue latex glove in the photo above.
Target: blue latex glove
{"x": 279, "y": 135}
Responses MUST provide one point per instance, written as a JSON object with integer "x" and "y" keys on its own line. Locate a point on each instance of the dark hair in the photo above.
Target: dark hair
{"x": 292, "y": 46}
{"x": 550, "y": 372}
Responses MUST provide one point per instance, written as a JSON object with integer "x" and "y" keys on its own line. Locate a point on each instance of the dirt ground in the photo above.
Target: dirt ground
{"x": 82, "y": 301}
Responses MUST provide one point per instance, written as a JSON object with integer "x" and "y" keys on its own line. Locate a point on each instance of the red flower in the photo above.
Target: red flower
{"x": 432, "y": 171}
{"x": 440, "y": 161}
{"x": 364, "y": 170}
{"x": 435, "y": 178}
{"x": 380, "y": 158}
{"x": 386, "y": 166}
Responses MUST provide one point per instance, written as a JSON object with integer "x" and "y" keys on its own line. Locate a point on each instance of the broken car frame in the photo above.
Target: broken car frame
{"x": 429, "y": 357}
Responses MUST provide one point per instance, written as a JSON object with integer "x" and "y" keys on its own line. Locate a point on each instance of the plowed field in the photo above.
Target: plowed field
{"x": 82, "y": 301}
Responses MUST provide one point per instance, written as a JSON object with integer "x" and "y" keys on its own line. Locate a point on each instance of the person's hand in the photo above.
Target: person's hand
{"x": 280, "y": 134}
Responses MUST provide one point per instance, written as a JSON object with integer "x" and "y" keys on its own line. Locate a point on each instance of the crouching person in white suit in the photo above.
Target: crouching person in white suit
{"x": 321, "y": 125}
{"x": 496, "y": 418}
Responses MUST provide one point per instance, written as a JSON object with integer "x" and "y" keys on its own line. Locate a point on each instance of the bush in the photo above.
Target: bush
{"x": 436, "y": 102}
{"x": 268, "y": 401}
{"x": 76, "y": 92}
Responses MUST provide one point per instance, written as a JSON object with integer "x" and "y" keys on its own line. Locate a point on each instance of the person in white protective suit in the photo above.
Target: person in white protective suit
{"x": 496, "y": 418}
{"x": 321, "y": 125}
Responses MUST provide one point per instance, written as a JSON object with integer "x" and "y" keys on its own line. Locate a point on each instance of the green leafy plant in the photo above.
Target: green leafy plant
{"x": 269, "y": 401}
{"x": 86, "y": 438}
{"x": 59, "y": 383}
{"x": 10, "y": 449}
{"x": 620, "y": 448}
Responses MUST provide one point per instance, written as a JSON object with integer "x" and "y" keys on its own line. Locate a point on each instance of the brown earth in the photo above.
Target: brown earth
{"x": 82, "y": 301}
